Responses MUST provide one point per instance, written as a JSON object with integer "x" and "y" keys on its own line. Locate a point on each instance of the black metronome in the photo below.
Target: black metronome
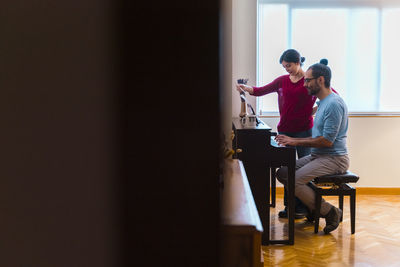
{"x": 242, "y": 81}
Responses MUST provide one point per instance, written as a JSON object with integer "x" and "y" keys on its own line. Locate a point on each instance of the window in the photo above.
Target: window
{"x": 361, "y": 43}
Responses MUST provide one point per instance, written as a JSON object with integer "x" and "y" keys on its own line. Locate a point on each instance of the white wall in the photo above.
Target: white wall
{"x": 244, "y": 41}
{"x": 226, "y": 69}
{"x": 373, "y": 144}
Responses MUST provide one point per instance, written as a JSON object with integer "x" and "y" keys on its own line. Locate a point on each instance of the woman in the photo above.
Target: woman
{"x": 295, "y": 104}
{"x": 295, "y": 108}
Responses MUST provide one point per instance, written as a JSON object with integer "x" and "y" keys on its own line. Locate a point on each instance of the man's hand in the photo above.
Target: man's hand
{"x": 284, "y": 140}
{"x": 319, "y": 141}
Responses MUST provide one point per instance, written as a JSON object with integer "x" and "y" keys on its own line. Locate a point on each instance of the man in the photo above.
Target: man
{"x": 328, "y": 143}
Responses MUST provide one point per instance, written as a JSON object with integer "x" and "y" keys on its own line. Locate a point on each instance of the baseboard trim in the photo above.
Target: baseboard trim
{"x": 378, "y": 190}
{"x": 365, "y": 190}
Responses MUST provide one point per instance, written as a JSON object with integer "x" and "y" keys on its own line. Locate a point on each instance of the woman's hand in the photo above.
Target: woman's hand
{"x": 314, "y": 110}
{"x": 284, "y": 140}
{"x": 244, "y": 88}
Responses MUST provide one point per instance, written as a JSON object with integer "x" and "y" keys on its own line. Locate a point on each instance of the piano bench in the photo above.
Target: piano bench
{"x": 335, "y": 185}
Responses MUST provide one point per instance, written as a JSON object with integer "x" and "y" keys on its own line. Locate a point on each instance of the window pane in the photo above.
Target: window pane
{"x": 360, "y": 44}
{"x": 272, "y": 36}
{"x": 316, "y": 40}
{"x": 350, "y": 49}
{"x": 390, "y": 92}
{"x": 362, "y": 60}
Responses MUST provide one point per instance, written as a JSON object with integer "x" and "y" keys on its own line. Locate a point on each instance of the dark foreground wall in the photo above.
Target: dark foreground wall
{"x": 109, "y": 133}
{"x": 173, "y": 105}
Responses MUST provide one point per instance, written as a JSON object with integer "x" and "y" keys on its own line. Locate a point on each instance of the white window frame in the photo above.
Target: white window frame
{"x": 380, "y": 4}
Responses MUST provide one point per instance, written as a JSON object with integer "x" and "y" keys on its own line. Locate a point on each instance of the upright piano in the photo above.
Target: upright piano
{"x": 259, "y": 152}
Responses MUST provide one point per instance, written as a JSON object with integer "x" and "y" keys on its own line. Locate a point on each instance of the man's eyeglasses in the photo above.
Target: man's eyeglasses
{"x": 307, "y": 80}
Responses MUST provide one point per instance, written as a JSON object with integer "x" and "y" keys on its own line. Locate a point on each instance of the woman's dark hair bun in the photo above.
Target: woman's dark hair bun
{"x": 302, "y": 59}
{"x": 324, "y": 61}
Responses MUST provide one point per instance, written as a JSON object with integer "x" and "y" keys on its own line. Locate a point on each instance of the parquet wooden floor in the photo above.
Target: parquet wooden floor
{"x": 376, "y": 241}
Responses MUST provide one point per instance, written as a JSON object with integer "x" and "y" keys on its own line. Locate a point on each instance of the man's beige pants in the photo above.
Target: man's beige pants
{"x": 309, "y": 167}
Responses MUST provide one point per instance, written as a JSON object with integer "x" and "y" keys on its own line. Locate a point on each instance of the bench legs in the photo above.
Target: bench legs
{"x": 353, "y": 211}
{"x": 348, "y": 190}
{"x": 341, "y": 204}
{"x": 318, "y": 199}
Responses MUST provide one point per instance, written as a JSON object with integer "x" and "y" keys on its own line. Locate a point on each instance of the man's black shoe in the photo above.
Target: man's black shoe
{"x": 310, "y": 216}
{"x": 297, "y": 214}
{"x": 332, "y": 219}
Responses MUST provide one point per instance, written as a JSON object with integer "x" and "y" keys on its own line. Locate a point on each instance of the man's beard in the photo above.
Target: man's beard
{"x": 313, "y": 91}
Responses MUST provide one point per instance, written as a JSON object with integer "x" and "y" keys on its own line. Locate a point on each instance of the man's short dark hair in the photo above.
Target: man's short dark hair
{"x": 321, "y": 69}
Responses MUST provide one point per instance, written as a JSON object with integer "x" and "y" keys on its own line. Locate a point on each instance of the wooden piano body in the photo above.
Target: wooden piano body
{"x": 259, "y": 153}
{"x": 240, "y": 224}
